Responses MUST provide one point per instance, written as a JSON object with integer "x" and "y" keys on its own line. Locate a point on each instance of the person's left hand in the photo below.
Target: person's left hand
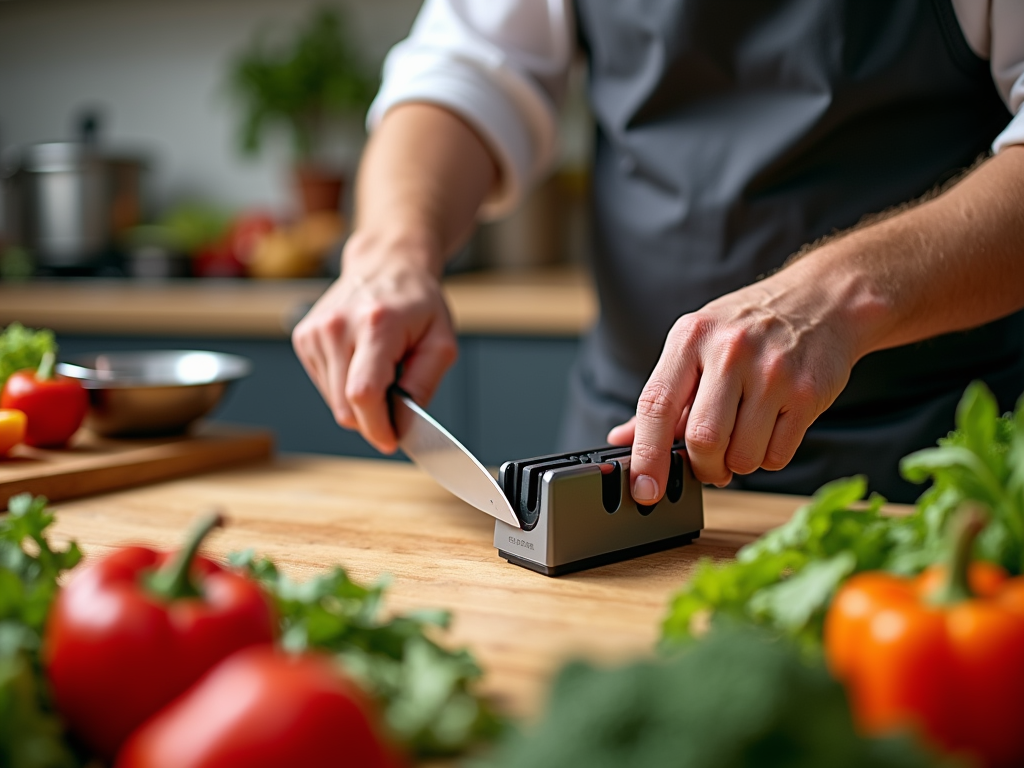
{"x": 742, "y": 378}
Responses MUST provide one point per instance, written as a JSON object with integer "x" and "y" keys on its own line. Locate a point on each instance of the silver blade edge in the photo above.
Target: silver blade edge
{"x": 449, "y": 462}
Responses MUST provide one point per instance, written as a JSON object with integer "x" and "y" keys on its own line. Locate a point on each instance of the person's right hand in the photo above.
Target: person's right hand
{"x": 386, "y": 308}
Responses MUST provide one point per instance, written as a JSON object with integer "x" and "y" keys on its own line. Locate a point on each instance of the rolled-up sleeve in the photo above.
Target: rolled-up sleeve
{"x": 1007, "y": 58}
{"x": 501, "y": 65}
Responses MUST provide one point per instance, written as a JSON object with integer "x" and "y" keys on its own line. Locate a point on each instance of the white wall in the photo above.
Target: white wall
{"x": 158, "y": 68}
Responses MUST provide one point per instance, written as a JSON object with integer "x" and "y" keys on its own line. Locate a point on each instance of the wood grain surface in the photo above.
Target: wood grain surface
{"x": 92, "y": 464}
{"x": 383, "y": 517}
{"x": 559, "y": 302}
{"x": 230, "y": 308}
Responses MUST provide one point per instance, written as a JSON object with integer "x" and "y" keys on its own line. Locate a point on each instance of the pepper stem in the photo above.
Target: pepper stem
{"x": 173, "y": 580}
{"x": 964, "y": 528}
{"x": 45, "y": 370}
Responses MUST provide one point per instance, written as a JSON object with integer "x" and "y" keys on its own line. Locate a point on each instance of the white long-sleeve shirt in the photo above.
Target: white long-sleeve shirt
{"x": 502, "y": 66}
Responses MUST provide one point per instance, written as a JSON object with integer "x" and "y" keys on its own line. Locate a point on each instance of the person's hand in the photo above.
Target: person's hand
{"x": 387, "y": 307}
{"x": 741, "y": 380}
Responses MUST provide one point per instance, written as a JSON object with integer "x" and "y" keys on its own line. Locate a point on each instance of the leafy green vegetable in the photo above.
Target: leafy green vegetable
{"x": 300, "y": 83}
{"x": 21, "y": 348}
{"x": 738, "y": 698}
{"x": 189, "y": 227}
{"x": 424, "y": 689}
{"x": 786, "y": 579}
{"x": 30, "y": 733}
{"x": 982, "y": 461}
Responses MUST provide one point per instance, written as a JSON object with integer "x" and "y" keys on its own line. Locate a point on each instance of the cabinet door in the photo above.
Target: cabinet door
{"x": 518, "y": 390}
{"x": 503, "y": 398}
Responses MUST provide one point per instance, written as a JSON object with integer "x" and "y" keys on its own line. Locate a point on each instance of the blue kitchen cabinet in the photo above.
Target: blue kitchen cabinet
{"x": 503, "y": 398}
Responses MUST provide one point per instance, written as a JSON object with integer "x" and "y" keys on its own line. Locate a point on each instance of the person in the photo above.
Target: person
{"x": 733, "y": 141}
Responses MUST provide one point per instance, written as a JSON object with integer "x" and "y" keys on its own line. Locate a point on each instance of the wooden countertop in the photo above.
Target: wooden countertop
{"x": 383, "y": 517}
{"x": 555, "y": 302}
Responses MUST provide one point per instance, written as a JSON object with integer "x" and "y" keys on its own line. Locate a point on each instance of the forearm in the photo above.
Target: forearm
{"x": 954, "y": 262}
{"x": 422, "y": 179}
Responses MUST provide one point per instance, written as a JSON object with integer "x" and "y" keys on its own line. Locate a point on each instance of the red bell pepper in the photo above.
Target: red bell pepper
{"x": 941, "y": 655}
{"x": 134, "y": 630}
{"x": 54, "y": 407}
{"x": 262, "y": 709}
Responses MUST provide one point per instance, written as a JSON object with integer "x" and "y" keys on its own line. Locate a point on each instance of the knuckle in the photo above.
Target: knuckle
{"x": 776, "y": 458}
{"x": 734, "y": 343}
{"x": 655, "y": 401}
{"x": 804, "y": 398}
{"x": 689, "y": 329}
{"x": 377, "y": 316}
{"x": 741, "y": 460}
{"x": 702, "y": 438}
{"x": 776, "y": 371}
{"x": 648, "y": 452}
{"x": 448, "y": 351}
{"x": 362, "y": 393}
{"x": 334, "y": 325}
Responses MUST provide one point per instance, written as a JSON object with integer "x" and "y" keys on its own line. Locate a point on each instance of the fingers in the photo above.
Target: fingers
{"x": 337, "y": 362}
{"x": 426, "y": 364}
{"x": 754, "y": 425}
{"x": 657, "y": 415}
{"x": 622, "y": 434}
{"x": 320, "y": 344}
{"x": 790, "y": 428}
{"x": 378, "y": 351}
{"x": 711, "y": 423}
{"x": 306, "y": 343}
{"x": 365, "y": 324}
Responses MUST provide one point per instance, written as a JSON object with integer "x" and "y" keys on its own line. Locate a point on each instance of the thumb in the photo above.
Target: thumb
{"x": 622, "y": 434}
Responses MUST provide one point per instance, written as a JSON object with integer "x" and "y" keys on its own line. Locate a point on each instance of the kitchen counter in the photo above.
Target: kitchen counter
{"x": 559, "y": 302}
{"x": 378, "y": 517}
{"x": 519, "y": 335}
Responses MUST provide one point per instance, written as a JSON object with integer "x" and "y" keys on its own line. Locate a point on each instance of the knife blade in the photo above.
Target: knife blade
{"x": 447, "y": 460}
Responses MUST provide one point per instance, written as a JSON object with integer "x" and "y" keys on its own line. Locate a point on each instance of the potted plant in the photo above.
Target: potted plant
{"x": 303, "y": 85}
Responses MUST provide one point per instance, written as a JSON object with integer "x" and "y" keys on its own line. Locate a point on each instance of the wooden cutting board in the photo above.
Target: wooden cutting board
{"x": 93, "y": 464}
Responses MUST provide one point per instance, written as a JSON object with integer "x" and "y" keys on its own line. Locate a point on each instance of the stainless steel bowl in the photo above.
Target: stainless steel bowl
{"x": 152, "y": 393}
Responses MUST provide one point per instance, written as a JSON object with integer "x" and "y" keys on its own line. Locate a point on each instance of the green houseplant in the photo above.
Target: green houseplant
{"x": 303, "y": 85}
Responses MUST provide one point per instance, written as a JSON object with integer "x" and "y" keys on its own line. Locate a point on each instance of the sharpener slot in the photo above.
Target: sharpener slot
{"x": 611, "y": 488}
{"x": 674, "y": 491}
{"x": 521, "y": 480}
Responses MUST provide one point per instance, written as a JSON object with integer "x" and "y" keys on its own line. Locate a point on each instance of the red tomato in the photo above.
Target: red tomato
{"x": 246, "y": 231}
{"x": 261, "y": 709}
{"x": 217, "y": 260}
{"x": 54, "y": 407}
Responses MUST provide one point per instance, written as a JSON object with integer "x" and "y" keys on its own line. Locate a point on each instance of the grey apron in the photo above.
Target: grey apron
{"x": 730, "y": 133}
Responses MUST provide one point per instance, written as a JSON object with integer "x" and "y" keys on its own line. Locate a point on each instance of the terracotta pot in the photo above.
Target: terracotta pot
{"x": 319, "y": 188}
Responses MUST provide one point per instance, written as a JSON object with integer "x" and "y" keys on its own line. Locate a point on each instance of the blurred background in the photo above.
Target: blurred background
{"x": 178, "y": 175}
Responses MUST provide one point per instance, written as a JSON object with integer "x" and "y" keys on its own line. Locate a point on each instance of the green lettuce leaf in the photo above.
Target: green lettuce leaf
{"x": 21, "y": 348}
{"x": 786, "y": 579}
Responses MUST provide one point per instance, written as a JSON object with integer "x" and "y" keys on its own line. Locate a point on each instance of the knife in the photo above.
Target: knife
{"x": 447, "y": 460}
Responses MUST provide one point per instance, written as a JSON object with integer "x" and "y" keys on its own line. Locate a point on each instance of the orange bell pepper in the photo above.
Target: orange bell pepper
{"x": 941, "y": 654}
{"x": 12, "y": 429}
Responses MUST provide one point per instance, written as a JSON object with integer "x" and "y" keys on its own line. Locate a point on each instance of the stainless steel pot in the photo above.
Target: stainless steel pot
{"x": 67, "y": 201}
{"x": 62, "y": 194}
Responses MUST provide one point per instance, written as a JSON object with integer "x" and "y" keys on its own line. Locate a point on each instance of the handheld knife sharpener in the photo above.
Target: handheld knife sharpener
{"x": 576, "y": 511}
